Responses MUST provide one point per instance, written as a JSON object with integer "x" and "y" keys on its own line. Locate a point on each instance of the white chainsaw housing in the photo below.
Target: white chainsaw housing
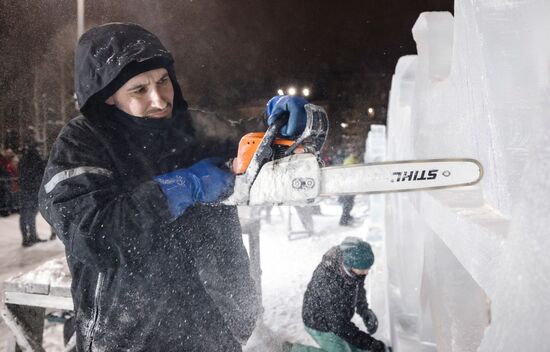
{"x": 290, "y": 180}
{"x": 293, "y": 179}
{"x": 298, "y": 179}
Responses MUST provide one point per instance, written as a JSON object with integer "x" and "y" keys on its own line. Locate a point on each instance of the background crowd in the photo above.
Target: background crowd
{"x": 21, "y": 171}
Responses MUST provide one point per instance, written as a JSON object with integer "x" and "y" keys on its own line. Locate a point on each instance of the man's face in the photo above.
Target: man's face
{"x": 360, "y": 272}
{"x": 149, "y": 94}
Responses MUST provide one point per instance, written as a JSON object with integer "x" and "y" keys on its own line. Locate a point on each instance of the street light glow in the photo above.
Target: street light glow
{"x": 292, "y": 90}
{"x": 370, "y": 111}
{"x": 344, "y": 125}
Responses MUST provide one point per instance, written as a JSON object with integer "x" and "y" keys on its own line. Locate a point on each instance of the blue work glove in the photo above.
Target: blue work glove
{"x": 291, "y": 105}
{"x": 203, "y": 182}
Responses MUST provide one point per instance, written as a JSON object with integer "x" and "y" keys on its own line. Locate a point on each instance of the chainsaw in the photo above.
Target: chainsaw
{"x": 271, "y": 170}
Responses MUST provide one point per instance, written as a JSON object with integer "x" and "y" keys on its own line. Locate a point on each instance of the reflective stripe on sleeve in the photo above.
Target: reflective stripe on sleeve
{"x": 67, "y": 174}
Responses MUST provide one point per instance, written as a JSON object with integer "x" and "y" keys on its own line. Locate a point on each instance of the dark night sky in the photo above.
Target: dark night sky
{"x": 228, "y": 52}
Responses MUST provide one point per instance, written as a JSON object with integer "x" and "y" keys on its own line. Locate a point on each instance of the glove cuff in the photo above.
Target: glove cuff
{"x": 181, "y": 189}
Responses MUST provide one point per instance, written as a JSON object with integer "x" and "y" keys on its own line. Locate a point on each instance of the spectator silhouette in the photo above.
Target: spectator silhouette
{"x": 5, "y": 195}
{"x": 347, "y": 202}
{"x": 31, "y": 169}
{"x": 8, "y": 162}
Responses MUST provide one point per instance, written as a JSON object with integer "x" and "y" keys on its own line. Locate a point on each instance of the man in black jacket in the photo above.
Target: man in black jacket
{"x": 31, "y": 169}
{"x": 336, "y": 291}
{"x": 133, "y": 192}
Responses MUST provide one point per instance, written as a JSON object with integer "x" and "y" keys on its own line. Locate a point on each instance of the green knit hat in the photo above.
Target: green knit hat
{"x": 357, "y": 254}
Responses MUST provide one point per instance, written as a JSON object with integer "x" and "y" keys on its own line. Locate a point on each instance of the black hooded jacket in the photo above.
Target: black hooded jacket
{"x": 332, "y": 297}
{"x": 140, "y": 278}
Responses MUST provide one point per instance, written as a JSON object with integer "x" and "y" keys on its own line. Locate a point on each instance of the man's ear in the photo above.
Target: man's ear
{"x": 110, "y": 101}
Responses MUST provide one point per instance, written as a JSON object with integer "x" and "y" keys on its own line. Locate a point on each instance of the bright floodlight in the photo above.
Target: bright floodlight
{"x": 305, "y": 92}
{"x": 344, "y": 125}
{"x": 370, "y": 111}
{"x": 292, "y": 91}
{"x": 280, "y": 92}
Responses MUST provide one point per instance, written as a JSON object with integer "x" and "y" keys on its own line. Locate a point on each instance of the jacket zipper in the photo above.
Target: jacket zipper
{"x": 95, "y": 315}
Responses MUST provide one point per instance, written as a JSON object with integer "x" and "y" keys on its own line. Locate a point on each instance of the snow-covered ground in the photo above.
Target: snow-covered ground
{"x": 287, "y": 266}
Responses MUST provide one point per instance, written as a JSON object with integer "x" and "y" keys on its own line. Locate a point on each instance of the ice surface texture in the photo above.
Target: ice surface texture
{"x": 465, "y": 266}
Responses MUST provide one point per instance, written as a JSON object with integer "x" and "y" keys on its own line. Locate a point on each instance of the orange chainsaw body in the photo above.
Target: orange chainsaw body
{"x": 249, "y": 144}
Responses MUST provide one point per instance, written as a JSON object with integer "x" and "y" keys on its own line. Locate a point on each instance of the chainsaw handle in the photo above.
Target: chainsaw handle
{"x": 313, "y": 136}
{"x": 264, "y": 152}
{"x": 273, "y": 130}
